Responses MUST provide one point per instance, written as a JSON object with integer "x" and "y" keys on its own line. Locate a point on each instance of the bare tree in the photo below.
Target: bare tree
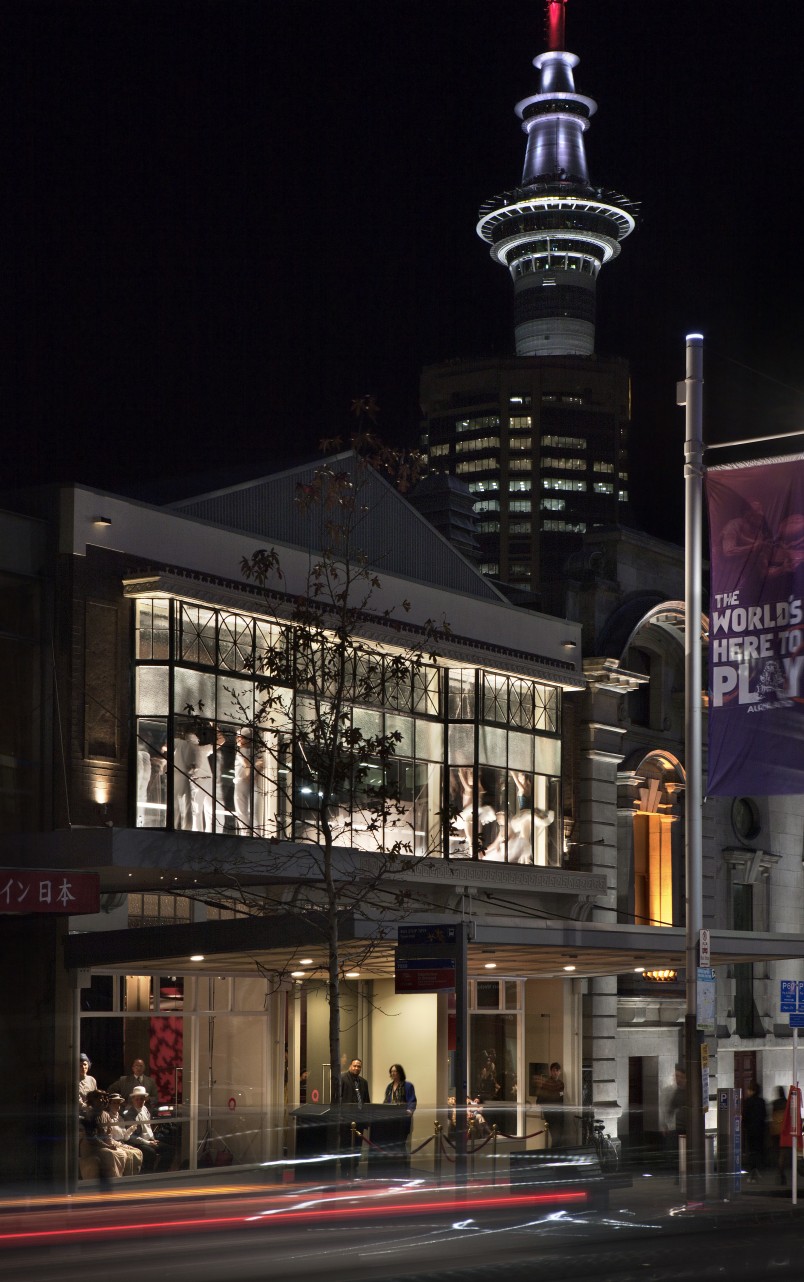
{"x": 334, "y": 676}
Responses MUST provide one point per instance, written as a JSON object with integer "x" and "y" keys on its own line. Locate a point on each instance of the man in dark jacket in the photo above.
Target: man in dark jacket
{"x": 137, "y": 1077}
{"x": 354, "y": 1094}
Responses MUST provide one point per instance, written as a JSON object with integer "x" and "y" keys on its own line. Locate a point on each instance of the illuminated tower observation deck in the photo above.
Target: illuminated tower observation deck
{"x": 556, "y": 230}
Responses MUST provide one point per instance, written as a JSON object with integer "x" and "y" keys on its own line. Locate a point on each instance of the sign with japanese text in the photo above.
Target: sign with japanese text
{"x": 41, "y": 891}
{"x": 704, "y": 948}
{"x": 756, "y": 628}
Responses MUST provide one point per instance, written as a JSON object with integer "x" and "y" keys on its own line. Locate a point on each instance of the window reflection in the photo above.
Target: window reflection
{"x": 225, "y": 745}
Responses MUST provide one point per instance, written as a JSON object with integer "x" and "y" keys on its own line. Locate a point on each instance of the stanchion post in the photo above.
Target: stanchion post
{"x": 437, "y": 1153}
{"x": 494, "y": 1153}
{"x": 461, "y": 1049}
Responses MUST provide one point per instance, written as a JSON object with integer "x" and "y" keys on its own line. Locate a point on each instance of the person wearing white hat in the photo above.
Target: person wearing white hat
{"x": 140, "y": 1132}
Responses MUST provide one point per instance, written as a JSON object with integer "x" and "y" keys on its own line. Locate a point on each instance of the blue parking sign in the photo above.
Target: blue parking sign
{"x": 789, "y": 994}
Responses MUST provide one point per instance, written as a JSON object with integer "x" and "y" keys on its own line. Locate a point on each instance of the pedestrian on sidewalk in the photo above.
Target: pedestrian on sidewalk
{"x": 755, "y": 1130}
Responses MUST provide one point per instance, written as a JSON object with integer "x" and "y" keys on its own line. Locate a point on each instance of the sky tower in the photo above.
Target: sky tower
{"x": 556, "y": 230}
{"x": 541, "y": 437}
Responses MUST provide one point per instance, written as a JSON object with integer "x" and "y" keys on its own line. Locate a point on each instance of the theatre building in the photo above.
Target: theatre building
{"x": 140, "y": 752}
{"x": 536, "y": 798}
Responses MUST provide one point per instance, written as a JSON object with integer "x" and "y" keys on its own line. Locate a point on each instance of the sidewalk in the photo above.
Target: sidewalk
{"x": 658, "y": 1197}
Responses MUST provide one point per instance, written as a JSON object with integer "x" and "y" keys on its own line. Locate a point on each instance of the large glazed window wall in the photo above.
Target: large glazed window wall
{"x": 224, "y": 706}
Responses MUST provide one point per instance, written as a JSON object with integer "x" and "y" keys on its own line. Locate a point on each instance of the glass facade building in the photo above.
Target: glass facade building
{"x": 221, "y": 747}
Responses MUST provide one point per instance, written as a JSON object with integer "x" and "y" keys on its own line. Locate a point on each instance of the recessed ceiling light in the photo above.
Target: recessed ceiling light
{"x": 306, "y": 961}
{"x": 569, "y": 967}
{"x": 353, "y": 974}
{"x": 491, "y": 965}
{"x": 297, "y": 974}
{"x": 639, "y": 970}
{"x": 197, "y": 957}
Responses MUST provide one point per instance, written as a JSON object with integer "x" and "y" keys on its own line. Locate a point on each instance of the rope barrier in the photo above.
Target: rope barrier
{"x": 381, "y": 1148}
{"x": 445, "y": 1140}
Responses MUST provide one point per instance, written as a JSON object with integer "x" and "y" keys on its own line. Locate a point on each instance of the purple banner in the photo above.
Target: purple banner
{"x": 756, "y": 628}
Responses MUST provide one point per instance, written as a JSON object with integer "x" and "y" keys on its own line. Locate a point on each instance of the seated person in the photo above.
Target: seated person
{"x": 141, "y": 1135}
{"x": 99, "y": 1154}
{"x": 120, "y": 1132}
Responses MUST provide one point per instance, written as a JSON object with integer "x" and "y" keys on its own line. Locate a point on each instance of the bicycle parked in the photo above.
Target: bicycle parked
{"x": 608, "y": 1148}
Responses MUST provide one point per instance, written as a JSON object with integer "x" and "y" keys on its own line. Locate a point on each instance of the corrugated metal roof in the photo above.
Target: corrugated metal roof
{"x": 390, "y": 532}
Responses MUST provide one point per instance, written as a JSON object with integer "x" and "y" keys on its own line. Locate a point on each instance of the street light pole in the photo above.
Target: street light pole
{"x": 691, "y": 397}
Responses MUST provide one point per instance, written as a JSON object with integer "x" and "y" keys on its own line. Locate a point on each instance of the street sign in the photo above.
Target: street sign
{"x": 706, "y": 998}
{"x": 704, "y": 951}
{"x": 788, "y": 999}
{"x": 797, "y": 1021}
{"x": 42, "y": 891}
{"x": 424, "y": 974}
{"x": 413, "y": 936}
{"x": 704, "y": 1076}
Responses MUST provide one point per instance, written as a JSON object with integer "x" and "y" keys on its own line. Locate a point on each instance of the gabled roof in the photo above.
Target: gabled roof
{"x": 392, "y": 534}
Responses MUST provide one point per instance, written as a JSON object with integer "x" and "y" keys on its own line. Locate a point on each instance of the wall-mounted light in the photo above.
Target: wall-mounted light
{"x": 570, "y": 645}
{"x": 101, "y": 520}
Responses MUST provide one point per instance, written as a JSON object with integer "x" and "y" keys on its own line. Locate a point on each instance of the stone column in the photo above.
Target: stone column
{"x": 600, "y": 755}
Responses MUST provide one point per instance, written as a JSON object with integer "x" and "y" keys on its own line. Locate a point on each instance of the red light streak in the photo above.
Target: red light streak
{"x": 291, "y": 1216}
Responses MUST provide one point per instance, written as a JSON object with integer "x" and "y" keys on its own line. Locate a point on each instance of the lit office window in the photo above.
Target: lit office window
{"x": 563, "y": 483}
{"x": 564, "y": 442}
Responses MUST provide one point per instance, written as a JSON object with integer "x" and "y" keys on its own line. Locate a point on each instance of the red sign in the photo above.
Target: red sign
{"x": 791, "y": 1125}
{"x": 426, "y": 979}
{"x": 41, "y": 891}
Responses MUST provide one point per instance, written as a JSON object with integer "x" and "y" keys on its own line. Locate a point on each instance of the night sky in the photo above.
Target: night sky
{"x": 230, "y": 217}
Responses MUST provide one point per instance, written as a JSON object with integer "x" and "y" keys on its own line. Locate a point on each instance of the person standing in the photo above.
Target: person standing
{"x": 401, "y": 1092}
{"x": 780, "y": 1155}
{"x": 86, "y": 1083}
{"x": 137, "y": 1077}
{"x": 755, "y": 1124}
{"x": 676, "y": 1124}
{"x": 551, "y": 1098}
{"x": 354, "y": 1094}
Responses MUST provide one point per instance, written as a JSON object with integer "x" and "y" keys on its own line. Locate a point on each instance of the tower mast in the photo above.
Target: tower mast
{"x": 555, "y": 231}
{"x": 555, "y": 24}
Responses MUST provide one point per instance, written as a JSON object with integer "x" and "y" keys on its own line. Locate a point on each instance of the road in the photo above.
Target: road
{"x": 335, "y": 1236}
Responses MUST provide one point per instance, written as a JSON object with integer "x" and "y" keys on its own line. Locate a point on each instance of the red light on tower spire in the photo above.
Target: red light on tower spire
{"x": 555, "y": 24}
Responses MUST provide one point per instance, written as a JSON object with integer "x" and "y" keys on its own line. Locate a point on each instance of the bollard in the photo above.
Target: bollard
{"x": 437, "y": 1156}
{"x": 494, "y": 1153}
